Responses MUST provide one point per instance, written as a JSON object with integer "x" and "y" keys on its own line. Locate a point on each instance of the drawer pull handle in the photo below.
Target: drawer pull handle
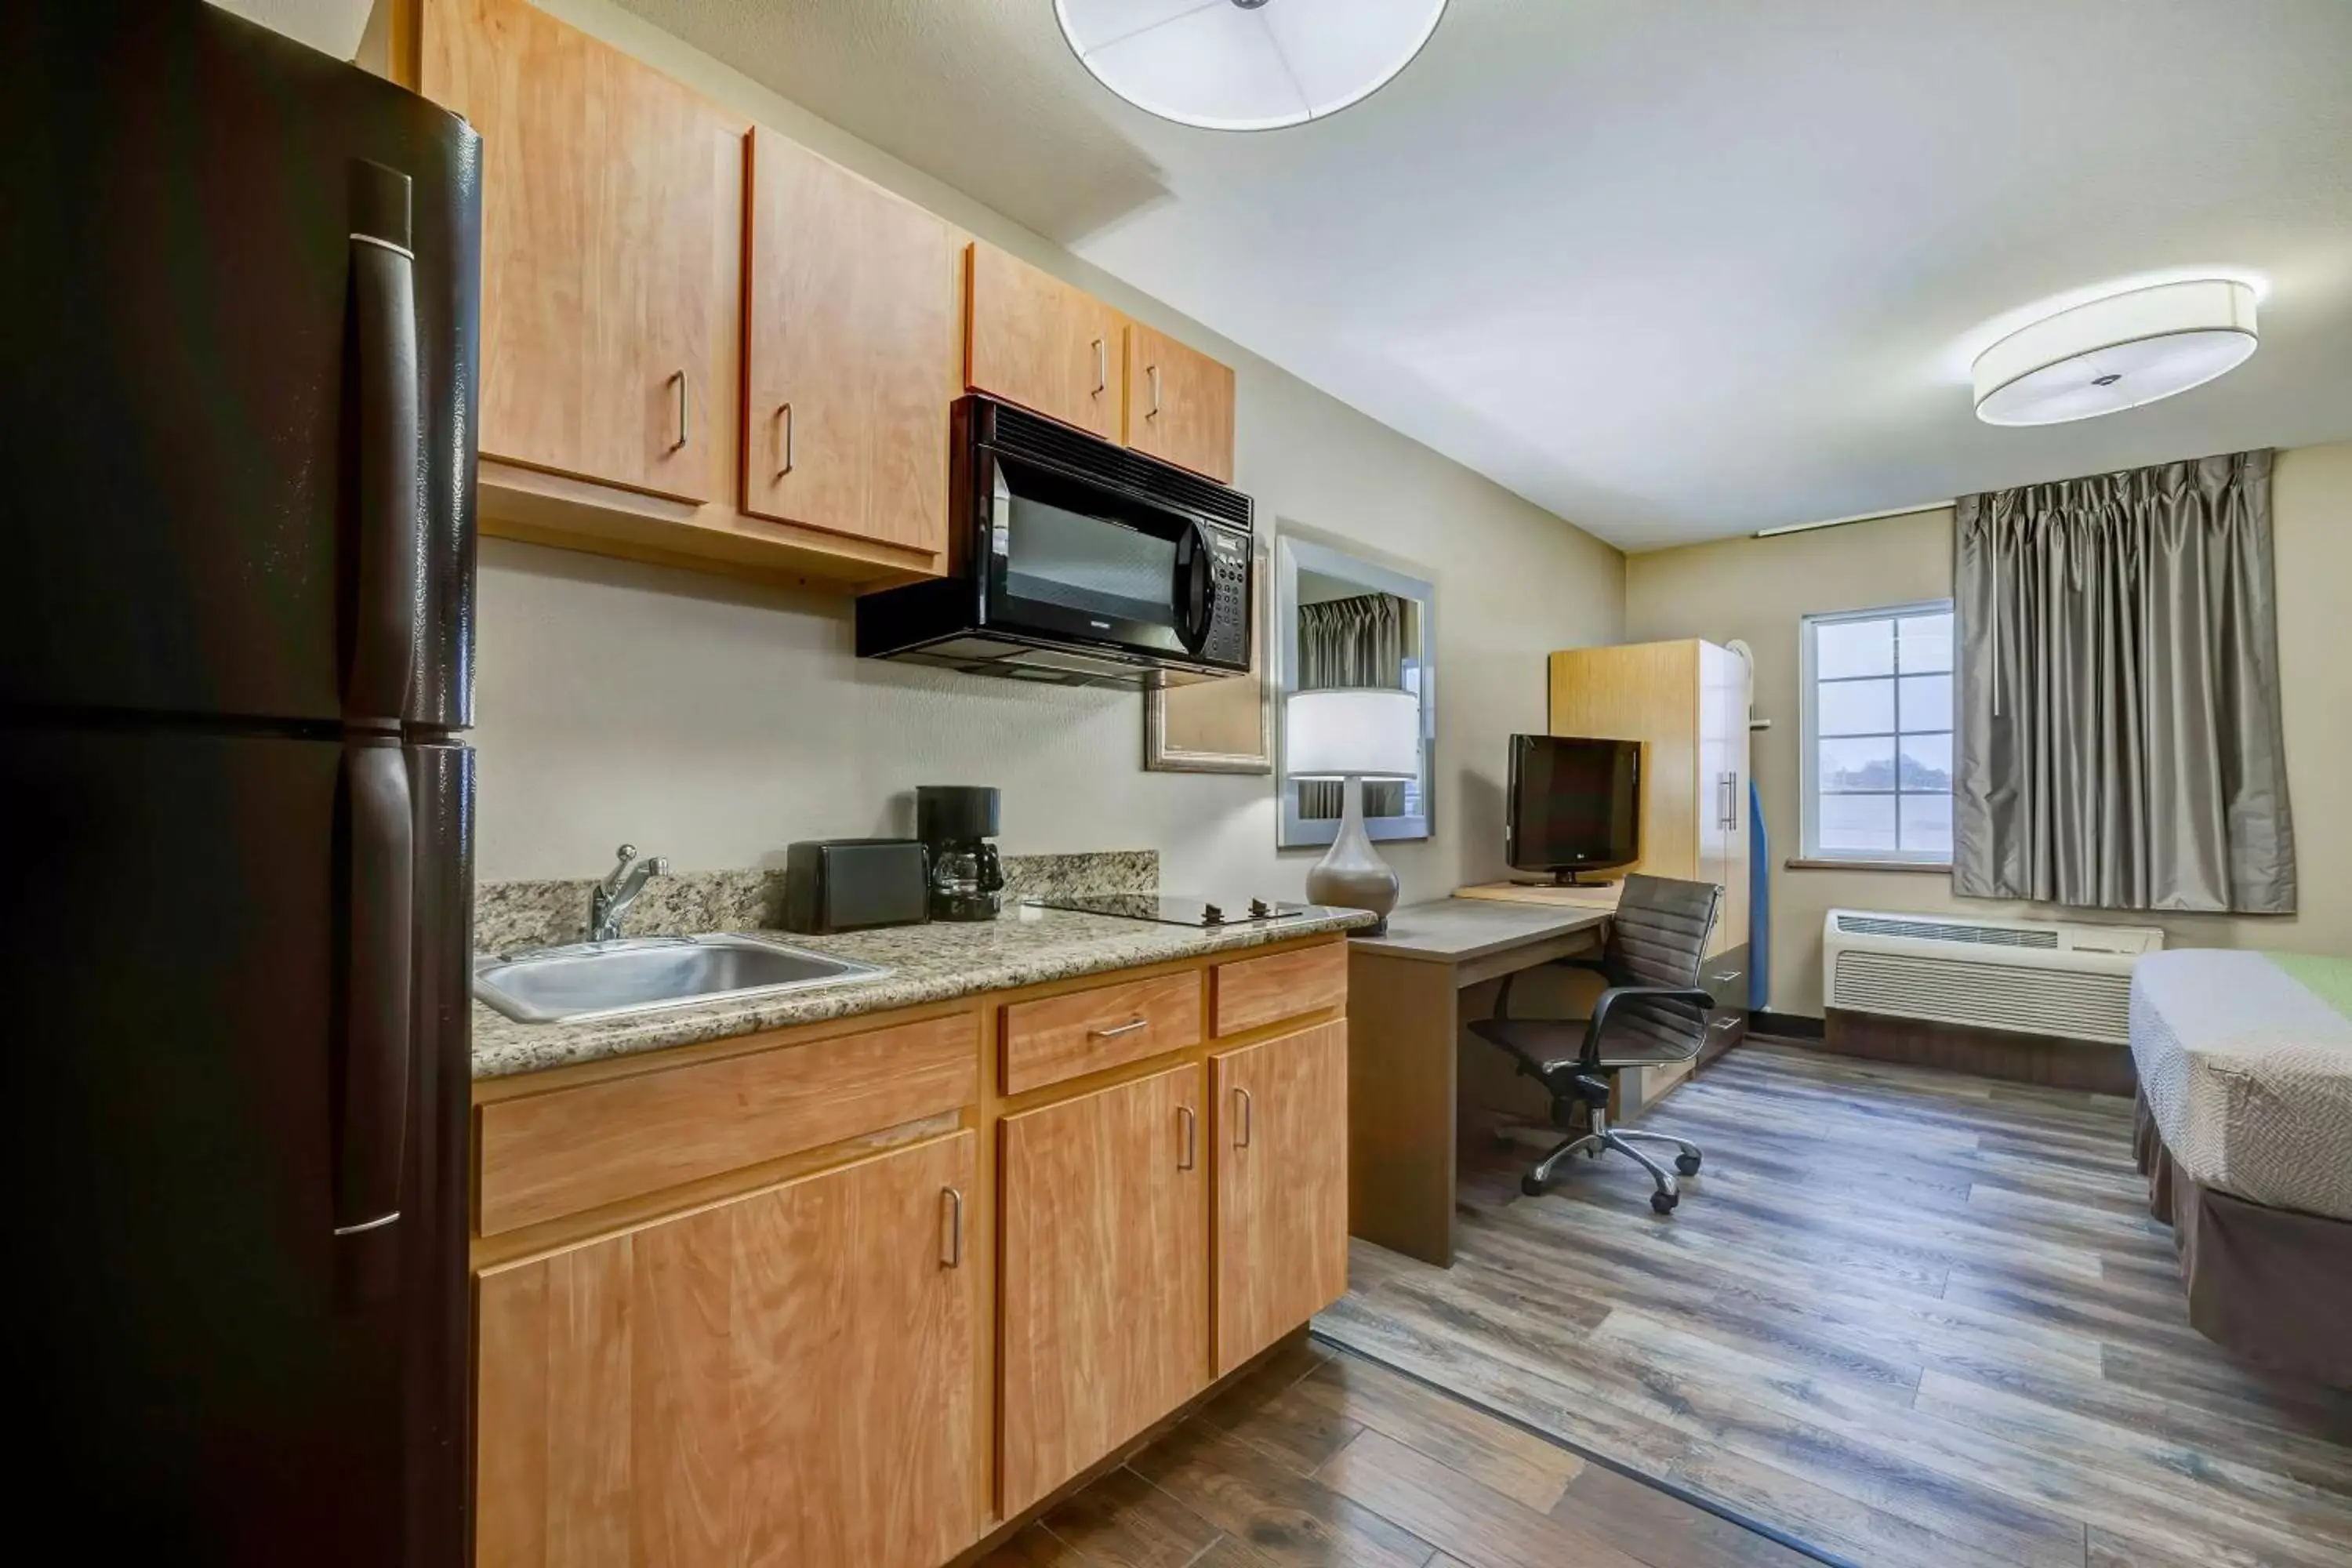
{"x": 1249, "y": 1116}
{"x": 1127, "y": 1028}
{"x": 1191, "y": 1156}
{"x": 951, "y": 1244}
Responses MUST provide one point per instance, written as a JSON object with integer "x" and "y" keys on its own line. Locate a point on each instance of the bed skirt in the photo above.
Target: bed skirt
{"x": 2270, "y": 1284}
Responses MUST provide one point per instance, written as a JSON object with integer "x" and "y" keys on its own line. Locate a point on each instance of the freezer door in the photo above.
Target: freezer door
{"x": 236, "y": 1228}
{"x": 239, "y": 298}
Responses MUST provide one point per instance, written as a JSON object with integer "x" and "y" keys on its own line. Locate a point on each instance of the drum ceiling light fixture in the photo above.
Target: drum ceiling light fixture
{"x": 2118, "y": 353}
{"x": 1246, "y": 65}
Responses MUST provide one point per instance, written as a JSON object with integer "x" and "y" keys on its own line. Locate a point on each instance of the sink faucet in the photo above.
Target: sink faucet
{"x": 612, "y": 896}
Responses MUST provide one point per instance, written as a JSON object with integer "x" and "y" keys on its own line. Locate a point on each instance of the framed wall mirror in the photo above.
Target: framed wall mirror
{"x": 1343, "y": 621}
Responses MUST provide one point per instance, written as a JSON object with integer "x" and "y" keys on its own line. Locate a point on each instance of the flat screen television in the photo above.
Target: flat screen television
{"x": 1575, "y": 805}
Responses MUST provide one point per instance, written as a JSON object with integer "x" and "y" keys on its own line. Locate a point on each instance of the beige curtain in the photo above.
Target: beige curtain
{"x": 2118, "y": 743}
{"x": 1357, "y": 641}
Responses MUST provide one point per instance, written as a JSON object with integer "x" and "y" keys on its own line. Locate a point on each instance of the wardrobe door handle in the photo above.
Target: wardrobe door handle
{"x": 1191, "y": 1156}
{"x": 1249, "y": 1116}
{"x": 951, "y": 1247}
{"x": 685, "y": 412}
{"x": 784, "y": 422}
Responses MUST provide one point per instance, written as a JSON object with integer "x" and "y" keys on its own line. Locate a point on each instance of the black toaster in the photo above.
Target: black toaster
{"x": 852, "y": 884}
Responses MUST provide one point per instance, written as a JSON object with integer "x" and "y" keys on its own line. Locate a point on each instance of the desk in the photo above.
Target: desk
{"x": 1403, "y": 1030}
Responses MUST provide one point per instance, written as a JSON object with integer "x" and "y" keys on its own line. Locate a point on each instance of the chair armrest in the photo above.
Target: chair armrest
{"x": 1616, "y": 995}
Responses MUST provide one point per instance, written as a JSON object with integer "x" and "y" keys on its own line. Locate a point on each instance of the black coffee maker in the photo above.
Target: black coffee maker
{"x": 955, "y": 823}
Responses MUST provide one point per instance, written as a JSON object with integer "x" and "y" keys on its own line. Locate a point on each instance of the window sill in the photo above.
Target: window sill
{"x": 1940, "y": 867}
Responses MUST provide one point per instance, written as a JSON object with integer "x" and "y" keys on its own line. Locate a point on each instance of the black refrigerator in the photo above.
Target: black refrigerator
{"x": 238, "y": 306}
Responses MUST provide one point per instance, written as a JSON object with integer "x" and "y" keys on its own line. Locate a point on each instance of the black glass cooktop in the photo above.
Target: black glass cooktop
{"x": 1177, "y": 910}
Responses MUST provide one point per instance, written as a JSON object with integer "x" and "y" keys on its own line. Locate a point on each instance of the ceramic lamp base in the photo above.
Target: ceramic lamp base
{"x": 1353, "y": 875}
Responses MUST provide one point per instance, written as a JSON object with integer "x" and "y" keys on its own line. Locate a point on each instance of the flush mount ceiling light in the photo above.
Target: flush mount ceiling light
{"x": 2117, "y": 352}
{"x": 1246, "y": 65}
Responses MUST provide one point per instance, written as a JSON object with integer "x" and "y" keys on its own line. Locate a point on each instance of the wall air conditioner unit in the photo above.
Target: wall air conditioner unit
{"x": 2031, "y": 977}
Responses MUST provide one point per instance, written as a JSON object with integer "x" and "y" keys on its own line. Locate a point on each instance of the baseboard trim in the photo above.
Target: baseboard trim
{"x": 2046, "y": 1061}
{"x": 1787, "y": 1025}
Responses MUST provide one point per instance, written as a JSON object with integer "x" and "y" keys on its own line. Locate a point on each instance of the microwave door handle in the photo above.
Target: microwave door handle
{"x": 1196, "y": 589}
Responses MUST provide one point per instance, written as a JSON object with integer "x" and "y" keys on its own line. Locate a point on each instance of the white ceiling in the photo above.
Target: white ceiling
{"x": 1675, "y": 268}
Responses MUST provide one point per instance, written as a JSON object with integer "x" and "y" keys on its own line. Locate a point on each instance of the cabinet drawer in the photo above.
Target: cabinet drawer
{"x": 1110, "y": 1025}
{"x": 546, "y": 1156}
{"x": 1255, "y": 991}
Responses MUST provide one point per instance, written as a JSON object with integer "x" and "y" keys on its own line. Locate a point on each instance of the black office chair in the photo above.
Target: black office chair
{"x": 1653, "y": 1012}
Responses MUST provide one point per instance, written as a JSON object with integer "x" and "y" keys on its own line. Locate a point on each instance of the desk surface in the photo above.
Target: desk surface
{"x": 1453, "y": 930}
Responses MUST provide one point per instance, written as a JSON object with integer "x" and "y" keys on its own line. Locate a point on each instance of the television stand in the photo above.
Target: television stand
{"x": 1559, "y": 895}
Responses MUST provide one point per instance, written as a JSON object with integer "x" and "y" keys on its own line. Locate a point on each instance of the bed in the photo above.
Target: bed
{"x": 2245, "y": 1135}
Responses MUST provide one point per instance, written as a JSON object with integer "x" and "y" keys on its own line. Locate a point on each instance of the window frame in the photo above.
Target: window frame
{"x": 1808, "y": 737}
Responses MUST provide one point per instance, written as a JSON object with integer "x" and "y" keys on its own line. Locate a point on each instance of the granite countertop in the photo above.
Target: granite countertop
{"x": 936, "y": 962}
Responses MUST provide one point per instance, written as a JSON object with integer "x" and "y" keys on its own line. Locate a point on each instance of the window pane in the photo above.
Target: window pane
{"x": 1853, "y": 708}
{"x": 1852, "y": 823}
{"x": 1927, "y": 763}
{"x": 1927, "y": 642}
{"x": 1926, "y": 699}
{"x": 1856, "y": 765}
{"x": 1926, "y": 824}
{"x": 1843, "y": 649}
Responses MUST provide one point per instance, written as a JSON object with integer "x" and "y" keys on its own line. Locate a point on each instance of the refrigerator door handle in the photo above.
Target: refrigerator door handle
{"x": 391, "y": 540}
{"x": 371, "y": 1092}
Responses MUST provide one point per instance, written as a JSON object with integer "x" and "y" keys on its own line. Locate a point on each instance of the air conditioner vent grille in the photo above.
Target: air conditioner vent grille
{"x": 2073, "y": 1004}
{"x": 2045, "y": 939}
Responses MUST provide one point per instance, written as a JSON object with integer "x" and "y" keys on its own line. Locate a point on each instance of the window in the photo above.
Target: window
{"x": 1878, "y": 734}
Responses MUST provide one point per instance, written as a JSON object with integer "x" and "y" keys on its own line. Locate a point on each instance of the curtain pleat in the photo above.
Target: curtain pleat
{"x": 1357, "y": 641}
{"x": 2118, "y": 741}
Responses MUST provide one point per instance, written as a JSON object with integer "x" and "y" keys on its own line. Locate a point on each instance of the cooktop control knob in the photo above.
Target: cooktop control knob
{"x": 1260, "y": 909}
{"x": 1212, "y": 916}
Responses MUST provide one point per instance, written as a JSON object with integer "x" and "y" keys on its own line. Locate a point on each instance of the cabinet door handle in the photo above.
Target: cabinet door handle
{"x": 1151, "y": 373}
{"x": 1191, "y": 1156}
{"x": 785, "y": 437}
{"x": 1248, "y": 1109}
{"x": 1127, "y": 1028}
{"x": 1731, "y": 802}
{"x": 952, "y": 1241}
{"x": 685, "y": 412}
{"x": 1102, "y": 369}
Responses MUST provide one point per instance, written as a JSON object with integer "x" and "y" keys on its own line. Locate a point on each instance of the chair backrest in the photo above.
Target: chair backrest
{"x": 1658, "y": 937}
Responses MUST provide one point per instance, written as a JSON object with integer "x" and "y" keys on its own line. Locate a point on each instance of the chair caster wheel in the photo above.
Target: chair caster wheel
{"x": 1686, "y": 1163}
{"x": 1664, "y": 1202}
{"x": 1530, "y": 1186}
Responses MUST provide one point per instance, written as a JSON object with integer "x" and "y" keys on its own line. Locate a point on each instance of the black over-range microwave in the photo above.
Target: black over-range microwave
{"x": 1075, "y": 561}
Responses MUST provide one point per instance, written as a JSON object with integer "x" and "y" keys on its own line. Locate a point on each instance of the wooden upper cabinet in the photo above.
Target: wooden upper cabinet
{"x": 602, "y": 306}
{"x": 1180, "y": 403}
{"x": 1104, "y": 1275}
{"x": 1036, "y": 341}
{"x": 788, "y": 1377}
{"x": 853, "y": 352}
{"x": 1282, "y": 1186}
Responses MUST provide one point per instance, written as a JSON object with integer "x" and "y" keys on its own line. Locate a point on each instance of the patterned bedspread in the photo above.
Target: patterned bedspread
{"x": 2246, "y": 1061}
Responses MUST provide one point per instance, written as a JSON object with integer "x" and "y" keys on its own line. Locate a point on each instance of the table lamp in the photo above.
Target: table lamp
{"x": 1353, "y": 734}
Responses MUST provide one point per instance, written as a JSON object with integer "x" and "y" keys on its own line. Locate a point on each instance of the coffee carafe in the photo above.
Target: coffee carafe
{"x": 956, "y": 823}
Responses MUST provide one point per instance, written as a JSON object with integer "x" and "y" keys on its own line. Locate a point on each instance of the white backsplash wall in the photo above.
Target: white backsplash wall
{"x": 715, "y": 722}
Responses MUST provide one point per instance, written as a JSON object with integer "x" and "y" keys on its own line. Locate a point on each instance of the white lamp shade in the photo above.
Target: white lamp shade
{"x": 2116, "y": 353}
{"x": 1369, "y": 733}
{"x": 1246, "y": 65}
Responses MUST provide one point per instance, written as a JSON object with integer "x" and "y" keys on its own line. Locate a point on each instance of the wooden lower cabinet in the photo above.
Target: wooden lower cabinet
{"x": 1282, "y": 1186}
{"x": 1104, "y": 1274}
{"x": 786, "y": 1377}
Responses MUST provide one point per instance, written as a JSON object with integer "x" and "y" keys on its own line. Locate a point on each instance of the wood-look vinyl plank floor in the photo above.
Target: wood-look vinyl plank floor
{"x": 1909, "y": 1317}
{"x": 1321, "y": 1458}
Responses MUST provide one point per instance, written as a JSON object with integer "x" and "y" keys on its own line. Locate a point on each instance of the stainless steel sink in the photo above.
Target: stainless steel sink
{"x": 609, "y": 978}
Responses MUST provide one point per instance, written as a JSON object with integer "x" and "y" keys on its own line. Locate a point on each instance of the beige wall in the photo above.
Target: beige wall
{"x": 716, "y": 722}
{"x": 1757, "y": 589}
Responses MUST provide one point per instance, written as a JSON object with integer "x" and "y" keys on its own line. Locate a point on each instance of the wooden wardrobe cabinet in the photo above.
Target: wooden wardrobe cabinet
{"x": 1104, "y": 1274}
{"x": 1282, "y": 1186}
{"x": 1037, "y": 342}
{"x": 683, "y": 1392}
{"x": 852, "y": 347}
{"x": 1686, "y": 703}
{"x": 1180, "y": 405}
{"x": 602, "y": 296}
